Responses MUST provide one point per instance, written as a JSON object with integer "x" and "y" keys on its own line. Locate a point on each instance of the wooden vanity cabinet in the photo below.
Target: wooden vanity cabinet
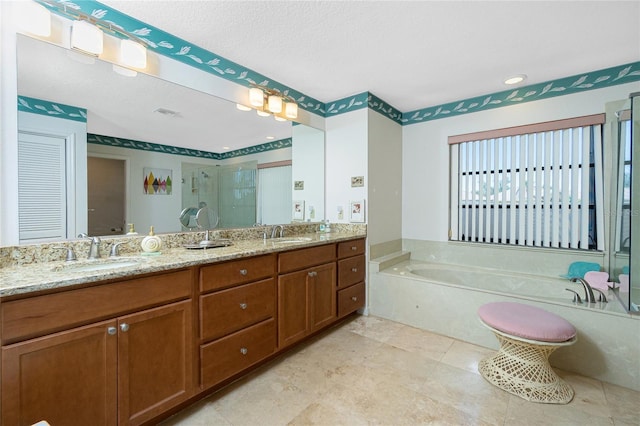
{"x": 126, "y": 369}
{"x": 351, "y": 276}
{"x": 237, "y": 316}
{"x": 306, "y": 292}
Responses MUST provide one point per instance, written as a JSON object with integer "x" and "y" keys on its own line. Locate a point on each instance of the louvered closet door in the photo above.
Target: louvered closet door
{"x": 42, "y": 190}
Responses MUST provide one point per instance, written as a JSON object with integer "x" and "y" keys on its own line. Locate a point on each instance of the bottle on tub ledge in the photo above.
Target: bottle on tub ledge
{"x": 151, "y": 244}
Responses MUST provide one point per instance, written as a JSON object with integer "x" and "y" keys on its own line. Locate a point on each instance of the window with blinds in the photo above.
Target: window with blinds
{"x": 538, "y": 185}
{"x": 623, "y": 225}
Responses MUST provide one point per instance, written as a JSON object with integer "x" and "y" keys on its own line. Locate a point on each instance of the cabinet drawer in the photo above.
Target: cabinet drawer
{"x": 225, "y": 357}
{"x": 226, "y": 311}
{"x": 351, "y": 248}
{"x": 35, "y": 316}
{"x": 235, "y": 272}
{"x": 305, "y": 258}
{"x": 351, "y": 271}
{"x": 351, "y": 299}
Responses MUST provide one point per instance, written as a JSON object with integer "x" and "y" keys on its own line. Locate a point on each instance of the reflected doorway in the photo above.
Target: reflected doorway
{"x": 106, "y": 180}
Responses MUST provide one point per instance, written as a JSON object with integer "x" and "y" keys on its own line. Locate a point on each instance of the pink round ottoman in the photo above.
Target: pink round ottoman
{"x": 527, "y": 336}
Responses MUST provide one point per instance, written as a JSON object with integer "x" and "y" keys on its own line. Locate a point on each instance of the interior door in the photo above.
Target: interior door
{"x": 106, "y": 180}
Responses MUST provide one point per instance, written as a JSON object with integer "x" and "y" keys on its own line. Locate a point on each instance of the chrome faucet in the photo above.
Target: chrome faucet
{"x": 94, "y": 248}
{"x": 274, "y": 231}
{"x": 588, "y": 291}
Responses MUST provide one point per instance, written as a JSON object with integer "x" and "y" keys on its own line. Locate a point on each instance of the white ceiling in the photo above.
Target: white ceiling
{"x": 412, "y": 54}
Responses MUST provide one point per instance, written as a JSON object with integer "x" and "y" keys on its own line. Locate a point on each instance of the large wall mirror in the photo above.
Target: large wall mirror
{"x": 145, "y": 111}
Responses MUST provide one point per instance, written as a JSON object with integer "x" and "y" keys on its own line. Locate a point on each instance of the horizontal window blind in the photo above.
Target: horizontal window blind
{"x": 538, "y": 185}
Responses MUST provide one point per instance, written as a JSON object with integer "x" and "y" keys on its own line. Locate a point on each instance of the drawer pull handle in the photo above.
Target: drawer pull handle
{"x": 354, "y": 248}
{"x": 244, "y": 351}
{"x": 354, "y": 269}
{"x": 313, "y": 273}
{"x": 243, "y": 306}
{"x": 243, "y": 272}
{"x": 354, "y": 298}
{"x": 111, "y": 331}
{"x": 124, "y": 326}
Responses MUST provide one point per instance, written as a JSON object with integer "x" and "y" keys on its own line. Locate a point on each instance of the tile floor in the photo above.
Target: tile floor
{"x": 373, "y": 371}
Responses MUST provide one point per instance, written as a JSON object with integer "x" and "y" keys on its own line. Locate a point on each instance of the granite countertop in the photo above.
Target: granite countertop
{"x": 27, "y": 278}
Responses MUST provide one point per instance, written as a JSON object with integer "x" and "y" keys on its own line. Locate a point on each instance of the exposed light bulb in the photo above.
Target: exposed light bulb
{"x": 133, "y": 54}
{"x": 275, "y": 104}
{"x": 86, "y": 37}
{"x": 256, "y": 97}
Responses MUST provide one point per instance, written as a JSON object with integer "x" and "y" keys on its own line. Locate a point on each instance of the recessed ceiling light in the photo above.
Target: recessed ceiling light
{"x": 226, "y": 147}
{"x": 515, "y": 79}
{"x": 270, "y": 137}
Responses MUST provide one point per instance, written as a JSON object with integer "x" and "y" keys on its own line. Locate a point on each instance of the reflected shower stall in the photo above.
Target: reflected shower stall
{"x": 218, "y": 196}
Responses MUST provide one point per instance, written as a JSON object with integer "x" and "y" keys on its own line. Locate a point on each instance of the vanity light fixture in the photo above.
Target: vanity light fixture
{"x": 270, "y": 101}
{"x": 278, "y": 118}
{"x": 515, "y": 79}
{"x": 87, "y": 33}
{"x": 243, "y": 107}
{"x": 86, "y": 37}
{"x": 34, "y": 18}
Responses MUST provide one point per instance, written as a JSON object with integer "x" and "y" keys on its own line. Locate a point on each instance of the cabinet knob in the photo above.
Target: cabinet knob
{"x": 244, "y": 351}
{"x": 243, "y": 306}
{"x": 243, "y": 272}
{"x": 354, "y": 269}
{"x": 112, "y": 330}
{"x": 313, "y": 273}
{"x": 124, "y": 326}
{"x": 354, "y": 298}
{"x": 354, "y": 248}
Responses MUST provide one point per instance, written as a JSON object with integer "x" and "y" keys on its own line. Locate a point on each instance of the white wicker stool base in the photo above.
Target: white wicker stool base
{"x": 522, "y": 368}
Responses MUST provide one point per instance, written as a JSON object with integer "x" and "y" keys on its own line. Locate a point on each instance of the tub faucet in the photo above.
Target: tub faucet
{"x": 588, "y": 291}
{"x": 274, "y": 231}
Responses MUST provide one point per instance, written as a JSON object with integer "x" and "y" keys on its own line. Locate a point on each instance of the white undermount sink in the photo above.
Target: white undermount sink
{"x": 96, "y": 265}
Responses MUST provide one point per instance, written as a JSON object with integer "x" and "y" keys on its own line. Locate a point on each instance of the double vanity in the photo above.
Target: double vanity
{"x": 128, "y": 340}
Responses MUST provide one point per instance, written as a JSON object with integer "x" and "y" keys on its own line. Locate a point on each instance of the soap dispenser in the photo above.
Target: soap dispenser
{"x": 151, "y": 244}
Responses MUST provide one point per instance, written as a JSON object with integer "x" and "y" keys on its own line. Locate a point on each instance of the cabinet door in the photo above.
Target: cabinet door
{"x": 155, "y": 355}
{"x": 322, "y": 296}
{"x": 67, "y": 378}
{"x": 292, "y": 307}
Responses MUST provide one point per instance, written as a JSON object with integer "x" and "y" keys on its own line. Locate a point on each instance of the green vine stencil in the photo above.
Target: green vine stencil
{"x": 168, "y": 149}
{"x": 579, "y": 83}
{"x": 51, "y": 109}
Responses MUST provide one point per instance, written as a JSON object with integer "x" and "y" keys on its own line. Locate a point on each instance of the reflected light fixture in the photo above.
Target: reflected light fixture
{"x": 86, "y": 37}
{"x": 34, "y": 18}
{"x": 133, "y": 54}
{"x": 515, "y": 79}
{"x": 124, "y": 71}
